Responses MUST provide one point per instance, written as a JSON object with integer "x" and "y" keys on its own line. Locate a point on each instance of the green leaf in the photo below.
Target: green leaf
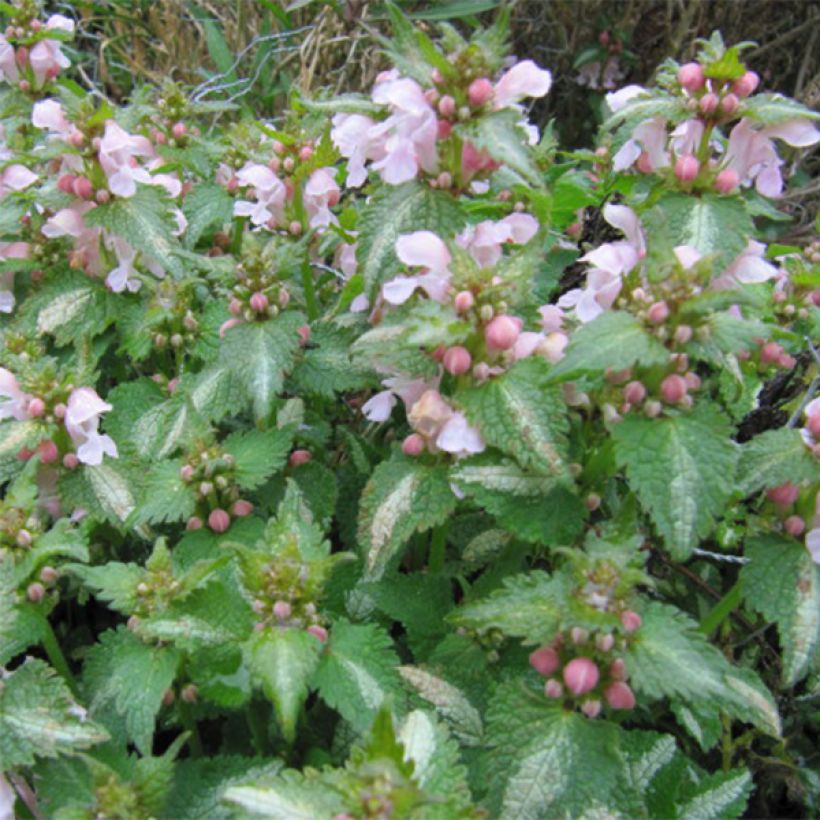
{"x": 132, "y": 677}
{"x": 453, "y": 9}
{"x": 63, "y": 539}
{"x": 105, "y": 491}
{"x": 669, "y": 657}
{"x": 39, "y": 718}
{"x": 537, "y": 752}
{"x": 529, "y": 606}
{"x": 613, "y": 340}
{"x": 291, "y": 796}
{"x": 520, "y": 415}
{"x": 402, "y": 497}
{"x": 712, "y": 224}
{"x": 283, "y": 662}
{"x": 500, "y": 134}
{"x": 719, "y": 796}
{"x": 113, "y": 582}
{"x": 782, "y": 583}
{"x": 450, "y": 702}
{"x": 258, "y": 454}
{"x": 357, "y": 673}
{"x": 259, "y": 353}
{"x": 642, "y": 108}
{"x": 769, "y": 109}
{"x": 166, "y": 497}
{"x": 207, "y": 206}
{"x": 682, "y": 468}
{"x": 144, "y": 221}
{"x": 774, "y": 457}
{"x": 394, "y": 210}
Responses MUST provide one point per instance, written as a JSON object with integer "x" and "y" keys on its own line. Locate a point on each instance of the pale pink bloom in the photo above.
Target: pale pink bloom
{"x": 321, "y": 192}
{"x": 8, "y": 65}
{"x": 13, "y": 401}
{"x": 379, "y": 407}
{"x": 459, "y": 438}
{"x": 345, "y": 258}
{"x": 811, "y": 409}
{"x": 591, "y": 75}
{"x": 753, "y": 155}
{"x": 552, "y": 318}
{"x": 118, "y": 153}
{"x": 485, "y": 240}
{"x": 554, "y": 346}
{"x": 82, "y": 420}
{"x": 170, "y": 182}
{"x": 408, "y": 136}
{"x": 15, "y": 178}
{"x": 429, "y": 413}
{"x": 7, "y": 797}
{"x": 619, "y": 99}
{"x": 426, "y": 250}
{"x": 610, "y": 263}
{"x": 526, "y": 344}
{"x": 46, "y": 57}
{"x": 687, "y": 255}
{"x": 224, "y": 174}
{"x": 524, "y": 79}
{"x": 350, "y": 135}
{"x": 813, "y": 544}
{"x": 123, "y": 276}
{"x": 49, "y": 114}
{"x": 749, "y": 268}
{"x": 10, "y": 250}
{"x": 270, "y": 193}
{"x": 649, "y": 137}
{"x": 687, "y": 136}
{"x": 70, "y": 222}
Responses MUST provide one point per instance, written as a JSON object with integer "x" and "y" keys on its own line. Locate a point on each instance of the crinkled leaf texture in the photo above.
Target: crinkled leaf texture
{"x": 682, "y": 468}
{"x": 774, "y": 457}
{"x": 39, "y": 717}
{"x": 782, "y": 583}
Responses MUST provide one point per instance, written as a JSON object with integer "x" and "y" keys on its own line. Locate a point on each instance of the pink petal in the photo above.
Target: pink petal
{"x": 813, "y": 544}
{"x": 397, "y": 291}
{"x": 425, "y": 249}
{"x": 616, "y": 100}
{"x": 523, "y": 227}
{"x": 625, "y": 220}
{"x": 458, "y": 437}
{"x": 17, "y": 177}
{"x": 626, "y": 156}
{"x": 49, "y": 114}
{"x": 687, "y": 255}
{"x": 379, "y": 407}
{"x": 525, "y": 79}
{"x": 797, "y": 132}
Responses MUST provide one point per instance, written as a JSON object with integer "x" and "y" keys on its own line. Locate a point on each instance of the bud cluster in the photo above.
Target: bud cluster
{"x": 211, "y": 473}
{"x": 584, "y": 670}
{"x": 175, "y": 327}
{"x": 19, "y": 527}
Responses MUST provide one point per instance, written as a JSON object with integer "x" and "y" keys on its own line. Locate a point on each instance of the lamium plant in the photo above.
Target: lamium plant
{"x": 384, "y": 460}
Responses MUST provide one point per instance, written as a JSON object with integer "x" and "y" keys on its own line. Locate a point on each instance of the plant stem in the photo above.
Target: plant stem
{"x": 309, "y": 289}
{"x": 722, "y": 610}
{"x": 438, "y": 548}
{"x": 186, "y": 718}
{"x": 56, "y": 657}
{"x": 237, "y": 232}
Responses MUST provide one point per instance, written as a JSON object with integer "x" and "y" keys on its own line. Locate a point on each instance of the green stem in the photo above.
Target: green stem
{"x": 438, "y": 548}
{"x": 703, "y": 148}
{"x": 237, "y": 232}
{"x": 56, "y": 657}
{"x": 722, "y": 610}
{"x": 727, "y": 746}
{"x": 186, "y": 718}
{"x": 255, "y": 725}
{"x": 310, "y": 290}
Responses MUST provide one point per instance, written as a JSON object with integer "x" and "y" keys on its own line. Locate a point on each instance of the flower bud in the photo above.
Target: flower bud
{"x": 783, "y": 495}
{"x": 463, "y": 301}
{"x": 413, "y": 445}
{"x": 219, "y": 520}
{"x": 259, "y": 302}
{"x": 708, "y": 103}
{"x": 82, "y": 188}
{"x": 66, "y": 183}
{"x": 729, "y": 104}
{"x": 168, "y": 697}
{"x": 692, "y": 380}
{"x": 242, "y": 508}
{"x": 605, "y": 642}
{"x": 770, "y": 353}
{"x": 48, "y": 575}
{"x": 447, "y": 106}
{"x": 794, "y": 525}
{"x": 786, "y": 362}
{"x": 727, "y": 180}
{"x": 658, "y": 313}
{"x": 282, "y": 610}
{"x": 444, "y": 129}
{"x": 591, "y": 708}
{"x": 304, "y": 334}
{"x": 545, "y": 661}
{"x": 691, "y": 76}
{"x": 23, "y": 538}
{"x": 70, "y": 461}
{"x": 179, "y": 130}
{"x": 746, "y": 84}
{"x": 194, "y": 523}
{"x": 631, "y": 620}
{"x": 36, "y": 408}
{"x": 48, "y": 452}
{"x": 318, "y": 632}
{"x": 673, "y": 389}
{"x": 480, "y": 92}
{"x": 299, "y": 457}
{"x": 687, "y": 168}
{"x": 553, "y": 689}
{"x": 617, "y": 670}
{"x": 35, "y": 592}
{"x": 457, "y": 360}
{"x": 189, "y": 693}
{"x": 619, "y": 696}
{"x": 592, "y": 502}
{"x": 445, "y": 179}
{"x": 578, "y": 635}
{"x": 502, "y": 332}
{"x": 634, "y": 392}
{"x": 581, "y": 676}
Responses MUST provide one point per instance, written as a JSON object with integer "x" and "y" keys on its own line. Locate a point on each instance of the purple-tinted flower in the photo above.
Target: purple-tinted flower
{"x": 420, "y": 249}
{"x": 82, "y": 420}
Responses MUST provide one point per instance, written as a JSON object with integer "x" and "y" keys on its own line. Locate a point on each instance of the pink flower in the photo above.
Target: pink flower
{"x": 270, "y": 195}
{"x": 619, "y": 99}
{"x": 118, "y": 153}
{"x": 70, "y": 222}
{"x": 459, "y": 438}
{"x": 8, "y": 64}
{"x": 46, "y": 57}
{"x": 525, "y": 79}
{"x": 13, "y": 401}
{"x": 484, "y": 241}
{"x": 749, "y": 268}
{"x": 320, "y": 194}
{"x": 10, "y": 250}
{"x": 15, "y": 178}
{"x": 49, "y": 114}
{"x": 426, "y": 250}
{"x": 648, "y": 140}
{"x": 123, "y": 276}
{"x": 379, "y": 407}
{"x": 592, "y": 76}
{"x": 350, "y": 135}
{"x": 610, "y": 263}
{"x": 82, "y": 420}
{"x": 813, "y": 544}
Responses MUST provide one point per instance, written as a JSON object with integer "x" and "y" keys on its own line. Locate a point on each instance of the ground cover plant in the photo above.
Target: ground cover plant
{"x": 383, "y": 460}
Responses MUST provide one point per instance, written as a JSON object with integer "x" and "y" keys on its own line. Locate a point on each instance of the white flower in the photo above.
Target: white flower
{"x": 82, "y": 420}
